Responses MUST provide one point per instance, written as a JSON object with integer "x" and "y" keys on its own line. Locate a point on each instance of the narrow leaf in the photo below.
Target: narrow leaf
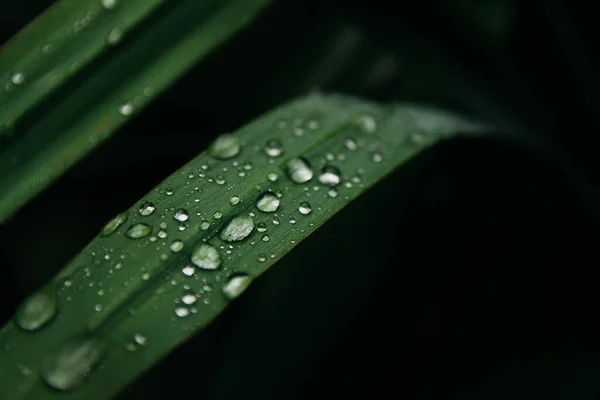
{"x": 163, "y": 269}
{"x": 83, "y": 68}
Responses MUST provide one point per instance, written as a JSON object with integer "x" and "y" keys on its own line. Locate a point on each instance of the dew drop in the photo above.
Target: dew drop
{"x": 234, "y": 200}
{"x": 189, "y": 298}
{"x": 275, "y": 221}
{"x": 332, "y": 193}
{"x": 114, "y": 37}
{"x": 206, "y": 257}
{"x": 217, "y": 215}
{"x": 18, "y": 78}
{"x": 220, "y": 180}
{"x": 299, "y": 170}
{"x": 169, "y": 191}
{"x": 367, "y": 124}
{"x": 36, "y": 311}
{"x": 181, "y": 215}
{"x": 330, "y": 176}
{"x": 140, "y": 339}
{"x": 268, "y": 202}
{"x": 350, "y": 144}
{"x": 261, "y": 227}
{"x": 376, "y": 157}
{"x": 304, "y": 208}
{"x": 138, "y": 231}
{"x": 176, "y": 246}
{"x": 273, "y": 148}
{"x": 73, "y": 363}
{"x": 265, "y": 238}
{"x": 110, "y": 4}
{"x": 204, "y": 225}
{"x": 262, "y": 257}
{"x": 126, "y": 109}
{"x": 146, "y": 208}
{"x": 162, "y": 234}
{"x": 272, "y": 177}
{"x": 236, "y": 285}
{"x": 225, "y": 146}
{"x": 182, "y": 312}
{"x": 237, "y": 229}
{"x": 188, "y": 270}
{"x": 113, "y": 224}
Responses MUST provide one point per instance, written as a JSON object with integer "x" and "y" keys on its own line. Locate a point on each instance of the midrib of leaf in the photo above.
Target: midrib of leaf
{"x": 86, "y": 110}
{"x": 132, "y": 305}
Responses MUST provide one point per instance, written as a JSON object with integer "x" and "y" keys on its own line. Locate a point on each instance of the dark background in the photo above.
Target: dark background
{"x": 468, "y": 274}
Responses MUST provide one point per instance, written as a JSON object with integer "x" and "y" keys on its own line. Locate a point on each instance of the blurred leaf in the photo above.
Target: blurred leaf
{"x": 79, "y": 71}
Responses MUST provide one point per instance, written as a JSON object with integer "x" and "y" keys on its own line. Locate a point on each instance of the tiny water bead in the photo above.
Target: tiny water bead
{"x": 36, "y": 311}
{"x": 18, "y": 78}
{"x": 140, "y": 339}
{"x": 176, "y": 246}
{"x": 162, "y": 234}
{"x": 114, "y": 37}
{"x": 204, "y": 225}
{"x": 110, "y": 4}
{"x": 169, "y": 191}
{"x": 376, "y": 158}
{"x": 138, "y": 231}
{"x": 126, "y": 109}
{"x": 236, "y": 285}
{"x": 181, "y": 215}
{"x": 146, "y": 208}
{"x": 70, "y": 366}
{"x": 220, "y": 180}
{"x": 330, "y": 176}
{"x": 273, "y": 148}
{"x": 182, "y": 312}
{"x": 234, "y": 200}
{"x": 304, "y": 208}
{"x": 262, "y": 257}
{"x": 225, "y": 146}
{"x": 268, "y": 202}
{"x": 206, "y": 257}
{"x": 299, "y": 170}
{"x": 189, "y": 298}
{"x": 188, "y": 270}
{"x": 113, "y": 224}
{"x": 332, "y": 193}
{"x": 261, "y": 227}
{"x": 237, "y": 229}
{"x": 265, "y": 238}
{"x": 367, "y": 124}
{"x": 350, "y": 144}
{"x": 272, "y": 177}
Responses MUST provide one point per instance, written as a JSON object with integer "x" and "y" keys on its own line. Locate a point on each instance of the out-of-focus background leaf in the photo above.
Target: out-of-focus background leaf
{"x": 467, "y": 276}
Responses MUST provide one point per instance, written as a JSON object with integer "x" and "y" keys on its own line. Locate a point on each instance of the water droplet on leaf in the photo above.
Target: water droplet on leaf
{"x": 225, "y": 146}
{"x": 304, "y": 208}
{"x": 206, "y": 257}
{"x": 299, "y": 170}
{"x": 138, "y": 231}
{"x": 330, "y": 176}
{"x": 176, "y": 246}
{"x": 268, "y": 202}
{"x": 236, "y": 285}
{"x": 73, "y": 364}
{"x": 273, "y": 148}
{"x": 181, "y": 215}
{"x": 237, "y": 229}
{"x": 146, "y": 208}
{"x": 113, "y": 224}
{"x": 36, "y": 311}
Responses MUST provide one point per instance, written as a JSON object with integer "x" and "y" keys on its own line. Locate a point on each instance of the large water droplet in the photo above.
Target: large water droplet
{"x": 273, "y": 148}
{"x": 146, "y": 208}
{"x": 236, "y": 285}
{"x": 299, "y": 170}
{"x": 268, "y": 202}
{"x": 36, "y": 311}
{"x": 237, "y": 229}
{"x": 225, "y": 146}
{"x": 330, "y": 176}
{"x": 181, "y": 215}
{"x": 206, "y": 256}
{"x": 304, "y": 208}
{"x": 73, "y": 364}
{"x": 113, "y": 224}
{"x": 138, "y": 231}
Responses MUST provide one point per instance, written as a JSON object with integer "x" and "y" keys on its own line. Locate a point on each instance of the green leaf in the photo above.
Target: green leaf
{"x": 81, "y": 70}
{"x": 166, "y": 267}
